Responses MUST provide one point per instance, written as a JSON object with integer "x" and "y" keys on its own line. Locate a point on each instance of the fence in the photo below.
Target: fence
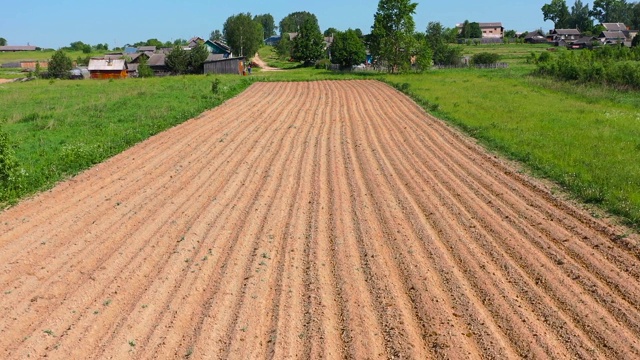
{"x": 477, "y": 66}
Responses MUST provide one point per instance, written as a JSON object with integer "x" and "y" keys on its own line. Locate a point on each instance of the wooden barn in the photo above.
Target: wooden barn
{"x": 225, "y": 66}
{"x": 107, "y": 68}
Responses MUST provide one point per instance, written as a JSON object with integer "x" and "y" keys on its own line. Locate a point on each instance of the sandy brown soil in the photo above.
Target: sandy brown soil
{"x": 313, "y": 220}
{"x": 263, "y": 65}
{"x": 2, "y": 81}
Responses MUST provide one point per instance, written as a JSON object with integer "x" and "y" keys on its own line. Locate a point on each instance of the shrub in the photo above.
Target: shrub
{"x": 10, "y": 174}
{"x": 323, "y": 64}
{"x": 485, "y": 58}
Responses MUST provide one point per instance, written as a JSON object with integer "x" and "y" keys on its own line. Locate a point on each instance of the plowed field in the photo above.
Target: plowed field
{"x": 312, "y": 220}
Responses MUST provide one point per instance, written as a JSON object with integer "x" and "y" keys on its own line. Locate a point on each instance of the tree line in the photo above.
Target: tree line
{"x": 581, "y": 17}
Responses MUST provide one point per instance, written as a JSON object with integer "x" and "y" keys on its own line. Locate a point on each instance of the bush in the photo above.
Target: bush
{"x": 10, "y": 173}
{"x": 485, "y": 58}
{"x": 323, "y": 64}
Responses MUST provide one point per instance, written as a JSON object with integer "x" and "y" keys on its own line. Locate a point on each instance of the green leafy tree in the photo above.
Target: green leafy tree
{"x": 76, "y": 46}
{"x": 197, "y": 56}
{"x": 330, "y": 31}
{"x": 348, "y": 49}
{"x": 424, "y": 54}
{"x": 510, "y": 34}
{"x": 443, "y": 53}
{"x": 308, "y": 45}
{"x": 216, "y": 35}
{"x": 293, "y": 22}
{"x": 86, "y": 49}
{"x": 144, "y": 70}
{"x": 60, "y": 65}
{"x": 392, "y": 40}
{"x": 634, "y": 16}
{"x": 3, "y": 41}
{"x": 268, "y": 24}
{"x": 474, "y": 30}
{"x": 557, "y": 12}
{"x": 284, "y": 47}
{"x": 359, "y": 33}
{"x": 611, "y": 11}
{"x": 580, "y": 18}
{"x": 154, "y": 42}
{"x": 178, "y": 60}
{"x": 243, "y": 35}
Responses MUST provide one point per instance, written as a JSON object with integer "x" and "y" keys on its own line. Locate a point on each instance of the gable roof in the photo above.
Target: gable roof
{"x": 566, "y": 31}
{"x": 490, "y": 25}
{"x": 146, "y": 48}
{"x": 615, "y": 26}
{"x": 157, "y": 60}
{"x": 613, "y": 35}
{"x": 18, "y": 48}
{"x": 102, "y": 64}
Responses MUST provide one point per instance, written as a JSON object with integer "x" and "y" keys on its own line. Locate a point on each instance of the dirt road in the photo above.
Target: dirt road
{"x": 263, "y": 65}
{"x": 312, "y": 220}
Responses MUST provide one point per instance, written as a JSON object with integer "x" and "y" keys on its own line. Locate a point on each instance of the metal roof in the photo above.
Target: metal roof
{"x": 18, "y": 48}
{"x": 615, "y": 26}
{"x": 100, "y": 64}
{"x": 157, "y": 60}
{"x": 613, "y": 35}
{"x": 146, "y": 48}
{"x": 490, "y": 25}
{"x": 567, "y": 31}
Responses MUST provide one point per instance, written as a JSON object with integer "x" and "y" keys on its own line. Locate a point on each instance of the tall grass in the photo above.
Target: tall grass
{"x": 62, "y": 127}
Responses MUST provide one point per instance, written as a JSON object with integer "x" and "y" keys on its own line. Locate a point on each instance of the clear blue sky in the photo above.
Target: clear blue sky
{"x": 53, "y": 24}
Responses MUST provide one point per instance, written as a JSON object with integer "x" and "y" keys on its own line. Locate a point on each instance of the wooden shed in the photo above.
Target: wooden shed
{"x": 107, "y": 69}
{"x": 225, "y": 66}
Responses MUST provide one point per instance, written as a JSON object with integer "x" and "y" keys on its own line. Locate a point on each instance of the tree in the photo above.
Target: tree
{"x": 636, "y": 41}
{"x": 60, "y": 65}
{"x": 197, "y": 56}
{"x": 154, "y": 42}
{"x": 144, "y": 70}
{"x": 634, "y": 16}
{"x": 308, "y": 45}
{"x": 284, "y": 47}
{"x": 243, "y": 35}
{"x": 392, "y": 40}
{"x": 510, "y": 34}
{"x": 293, "y": 22}
{"x": 580, "y": 18}
{"x": 3, "y": 41}
{"x": 178, "y": 60}
{"x": 347, "y": 49}
{"x": 443, "y": 54}
{"x": 359, "y": 33}
{"x": 330, "y": 31}
{"x": 611, "y": 11}
{"x": 558, "y": 12}
{"x": 474, "y": 30}
{"x": 268, "y": 25}
{"x": 216, "y": 35}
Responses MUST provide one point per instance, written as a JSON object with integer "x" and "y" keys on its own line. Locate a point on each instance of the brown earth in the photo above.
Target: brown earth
{"x": 2, "y": 81}
{"x": 313, "y": 220}
{"x": 263, "y": 65}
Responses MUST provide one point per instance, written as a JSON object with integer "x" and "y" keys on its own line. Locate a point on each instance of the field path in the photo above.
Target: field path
{"x": 307, "y": 221}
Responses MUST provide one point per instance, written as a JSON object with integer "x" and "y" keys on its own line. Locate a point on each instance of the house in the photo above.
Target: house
{"x": 157, "y": 63}
{"x": 614, "y": 37}
{"x": 231, "y": 65}
{"x": 194, "y": 41}
{"x": 561, "y": 36}
{"x": 626, "y": 31}
{"x": 107, "y": 69}
{"x": 218, "y": 47}
{"x": 585, "y": 42}
{"x": 11, "y": 48}
{"x": 535, "y": 37}
{"x": 492, "y": 30}
{"x": 273, "y": 40}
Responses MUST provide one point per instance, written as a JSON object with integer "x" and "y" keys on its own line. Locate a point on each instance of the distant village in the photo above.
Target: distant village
{"x": 221, "y": 60}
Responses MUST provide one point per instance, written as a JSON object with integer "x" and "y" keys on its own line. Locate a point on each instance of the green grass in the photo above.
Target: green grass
{"x": 6, "y": 57}
{"x": 268, "y": 54}
{"x": 62, "y": 127}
